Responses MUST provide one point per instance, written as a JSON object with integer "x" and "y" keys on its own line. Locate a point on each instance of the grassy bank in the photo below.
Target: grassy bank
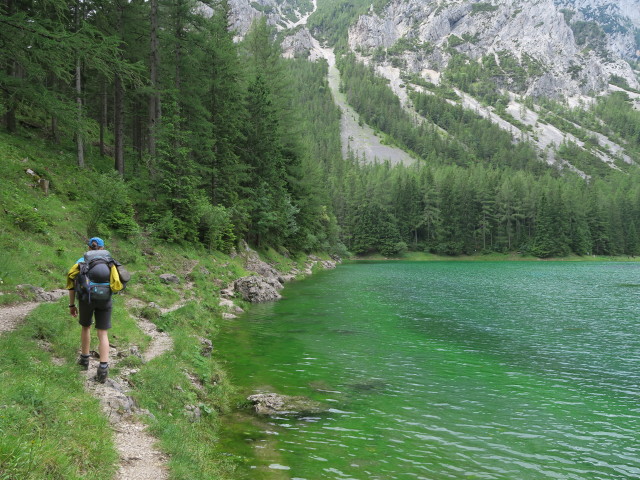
{"x": 50, "y": 427}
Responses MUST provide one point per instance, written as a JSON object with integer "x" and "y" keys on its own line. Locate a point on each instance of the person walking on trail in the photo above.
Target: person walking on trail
{"x": 92, "y": 280}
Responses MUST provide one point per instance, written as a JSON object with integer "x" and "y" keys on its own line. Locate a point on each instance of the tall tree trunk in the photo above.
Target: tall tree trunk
{"x": 179, "y": 32}
{"x": 154, "y": 66}
{"x": 103, "y": 116}
{"x": 53, "y": 85}
{"x": 79, "y": 128}
{"x": 79, "y": 136}
{"x": 138, "y": 127}
{"x": 10, "y": 119}
{"x": 10, "y": 114}
{"x": 118, "y": 105}
{"x": 54, "y": 129}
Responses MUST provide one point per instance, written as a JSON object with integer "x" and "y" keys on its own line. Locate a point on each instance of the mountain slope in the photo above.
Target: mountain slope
{"x": 555, "y": 57}
{"x": 497, "y": 56}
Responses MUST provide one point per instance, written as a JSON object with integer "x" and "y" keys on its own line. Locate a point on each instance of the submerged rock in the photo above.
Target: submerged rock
{"x": 273, "y": 404}
{"x": 373, "y": 385}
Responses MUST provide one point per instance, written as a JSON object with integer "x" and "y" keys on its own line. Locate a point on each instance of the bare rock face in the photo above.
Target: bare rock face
{"x": 611, "y": 15}
{"x": 267, "y": 281}
{"x": 274, "y": 404}
{"x": 254, "y": 264}
{"x": 299, "y": 44}
{"x": 278, "y": 13}
{"x": 542, "y": 36}
{"x": 242, "y": 15}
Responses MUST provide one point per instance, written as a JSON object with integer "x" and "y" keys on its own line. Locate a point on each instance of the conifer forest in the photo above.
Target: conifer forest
{"x": 214, "y": 139}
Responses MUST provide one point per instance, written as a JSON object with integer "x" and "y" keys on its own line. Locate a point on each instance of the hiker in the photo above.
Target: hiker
{"x": 92, "y": 279}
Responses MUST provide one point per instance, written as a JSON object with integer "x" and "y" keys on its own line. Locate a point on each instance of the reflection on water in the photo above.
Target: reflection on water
{"x": 519, "y": 370}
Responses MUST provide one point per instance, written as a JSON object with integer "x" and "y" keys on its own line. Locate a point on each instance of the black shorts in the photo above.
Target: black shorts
{"x": 101, "y": 310}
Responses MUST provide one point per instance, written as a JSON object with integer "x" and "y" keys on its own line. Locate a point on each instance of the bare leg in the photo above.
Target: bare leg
{"x": 103, "y": 347}
{"x": 85, "y": 340}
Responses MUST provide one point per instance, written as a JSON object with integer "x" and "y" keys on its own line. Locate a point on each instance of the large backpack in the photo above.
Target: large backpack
{"x": 93, "y": 281}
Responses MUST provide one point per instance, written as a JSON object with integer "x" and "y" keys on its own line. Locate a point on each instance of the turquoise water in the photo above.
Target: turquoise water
{"x": 448, "y": 370}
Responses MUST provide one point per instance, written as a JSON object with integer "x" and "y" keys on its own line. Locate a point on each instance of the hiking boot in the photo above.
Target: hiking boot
{"x": 102, "y": 373}
{"x": 83, "y": 362}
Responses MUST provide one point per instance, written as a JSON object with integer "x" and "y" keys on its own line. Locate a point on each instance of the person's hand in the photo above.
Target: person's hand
{"x": 73, "y": 310}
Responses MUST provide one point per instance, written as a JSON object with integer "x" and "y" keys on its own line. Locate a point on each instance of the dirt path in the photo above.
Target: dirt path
{"x": 139, "y": 458}
{"x": 12, "y": 315}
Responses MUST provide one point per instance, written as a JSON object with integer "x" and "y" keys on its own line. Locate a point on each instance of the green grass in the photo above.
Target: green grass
{"x": 181, "y": 382}
{"x": 39, "y": 234}
{"x": 50, "y": 427}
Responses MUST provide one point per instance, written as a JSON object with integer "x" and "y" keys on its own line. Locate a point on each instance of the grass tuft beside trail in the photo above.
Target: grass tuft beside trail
{"x": 50, "y": 427}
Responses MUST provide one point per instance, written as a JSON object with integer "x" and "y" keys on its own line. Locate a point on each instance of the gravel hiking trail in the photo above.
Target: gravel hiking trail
{"x": 139, "y": 458}
{"x": 12, "y": 315}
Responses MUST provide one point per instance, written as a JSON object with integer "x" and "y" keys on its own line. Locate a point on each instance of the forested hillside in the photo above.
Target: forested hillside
{"x": 205, "y": 132}
{"x": 478, "y": 190}
{"x": 218, "y": 141}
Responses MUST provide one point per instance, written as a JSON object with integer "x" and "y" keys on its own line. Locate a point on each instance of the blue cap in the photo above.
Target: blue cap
{"x": 98, "y": 241}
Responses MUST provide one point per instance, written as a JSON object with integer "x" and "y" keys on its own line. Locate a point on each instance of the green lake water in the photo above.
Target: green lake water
{"x": 446, "y": 370}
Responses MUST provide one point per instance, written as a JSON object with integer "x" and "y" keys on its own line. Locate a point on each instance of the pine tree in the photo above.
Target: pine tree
{"x": 225, "y": 173}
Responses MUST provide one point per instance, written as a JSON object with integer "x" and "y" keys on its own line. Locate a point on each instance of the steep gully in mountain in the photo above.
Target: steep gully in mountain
{"x": 355, "y": 137}
{"x": 362, "y": 140}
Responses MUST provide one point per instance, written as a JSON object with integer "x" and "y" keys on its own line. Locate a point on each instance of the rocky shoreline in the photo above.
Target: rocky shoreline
{"x": 265, "y": 286}
{"x": 267, "y": 282}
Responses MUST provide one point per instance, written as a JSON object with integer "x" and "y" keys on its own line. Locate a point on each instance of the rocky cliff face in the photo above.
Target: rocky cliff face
{"x": 618, "y": 19}
{"x": 562, "y": 47}
{"x": 281, "y": 14}
{"x": 565, "y": 47}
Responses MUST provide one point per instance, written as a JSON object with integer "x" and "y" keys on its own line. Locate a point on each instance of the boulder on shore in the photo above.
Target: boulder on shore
{"x": 275, "y": 404}
{"x": 257, "y": 289}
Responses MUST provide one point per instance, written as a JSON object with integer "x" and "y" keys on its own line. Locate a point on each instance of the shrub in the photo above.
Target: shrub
{"x": 28, "y": 219}
{"x": 215, "y": 229}
{"x": 111, "y": 207}
{"x": 482, "y": 7}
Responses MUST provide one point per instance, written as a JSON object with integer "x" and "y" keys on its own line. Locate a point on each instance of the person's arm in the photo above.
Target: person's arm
{"x": 73, "y": 310}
